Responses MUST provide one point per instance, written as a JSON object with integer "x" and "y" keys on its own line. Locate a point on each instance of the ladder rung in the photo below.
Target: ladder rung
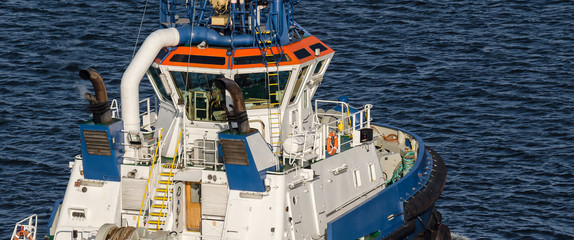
{"x": 163, "y": 182}
{"x": 166, "y": 174}
{"x": 273, "y": 74}
{"x": 157, "y": 206}
{"x": 272, "y": 94}
{"x": 273, "y": 84}
{"x": 163, "y": 190}
{"x": 271, "y": 62}
{"x": 161, "y": 198}
{"x": 156, "y": 222}
{"x": 277, "y": 113}
{"x": 277, "y": 142}
{"x": 158, "y": 214}
{"x": 275, "y": 103}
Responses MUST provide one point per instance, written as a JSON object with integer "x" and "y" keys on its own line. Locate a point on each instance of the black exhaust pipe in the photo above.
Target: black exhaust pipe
{"x": 239, "y": 113}
{"x": 99, "y": 104}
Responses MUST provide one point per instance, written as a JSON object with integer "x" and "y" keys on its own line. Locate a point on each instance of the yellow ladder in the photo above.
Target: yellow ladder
{"x": 274, "y": 117}
{"x": 160, "y": 201}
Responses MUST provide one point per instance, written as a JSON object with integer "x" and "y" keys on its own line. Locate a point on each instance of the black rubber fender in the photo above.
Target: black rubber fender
{"x": 402, "y": 232}
{"x": 430, "y": 192}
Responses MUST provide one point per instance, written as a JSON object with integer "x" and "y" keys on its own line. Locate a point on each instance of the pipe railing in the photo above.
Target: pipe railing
{"x": 26, "y": 227}
{"x": 357, "y": 120}
{"x": 152, "y": 174}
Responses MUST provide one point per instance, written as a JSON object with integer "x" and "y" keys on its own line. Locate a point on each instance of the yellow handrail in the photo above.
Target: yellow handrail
{"x": 149, "y": 176}
{"x": 168, "y": 179}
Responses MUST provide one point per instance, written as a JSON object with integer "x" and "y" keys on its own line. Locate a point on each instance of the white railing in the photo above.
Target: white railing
{"x": 344, "y": 123}
{"x": 26, "y": 228}
{"x": 115, "y": 108}
{"x": 138, "y": 145}
{"x": 149, "y": 116}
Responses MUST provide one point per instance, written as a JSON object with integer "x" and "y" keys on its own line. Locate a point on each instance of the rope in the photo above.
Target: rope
{"x": 407, "y": 162}
{"x": 140, "y": 30}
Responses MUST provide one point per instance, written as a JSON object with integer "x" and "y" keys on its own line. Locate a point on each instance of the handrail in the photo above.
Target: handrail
{"x": 28, "y": 229}
{"x": 115, "y": 109}
{"x": 359, "y": 119}
{"x": 149, "y": 177}
{"x": 169, "y": 178}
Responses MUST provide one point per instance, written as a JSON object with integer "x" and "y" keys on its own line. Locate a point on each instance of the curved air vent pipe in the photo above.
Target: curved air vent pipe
{"x": 99, "y": 104}
{"x": 168, "y": 37}
{"x": 239, "y": 113}
{"x": 133, "y": 75}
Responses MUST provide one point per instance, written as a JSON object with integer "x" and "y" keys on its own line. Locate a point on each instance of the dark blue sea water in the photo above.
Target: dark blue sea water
{"x": 488, "y": 84}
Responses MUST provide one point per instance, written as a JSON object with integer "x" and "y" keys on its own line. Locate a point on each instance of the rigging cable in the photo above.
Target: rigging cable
{"x": 139, "y": 31}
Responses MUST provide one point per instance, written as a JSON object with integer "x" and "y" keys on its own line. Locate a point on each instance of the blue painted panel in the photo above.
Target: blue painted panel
{"x": 99, "y": 167}
{"x": 241, "y": 177}
{"x": 371, "y": 216}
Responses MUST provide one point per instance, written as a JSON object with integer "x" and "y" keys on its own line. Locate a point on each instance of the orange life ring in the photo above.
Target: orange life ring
{"x": 21, "y": 235}
{"x": 391, "y": 138}
{"x": 332, "y": 148}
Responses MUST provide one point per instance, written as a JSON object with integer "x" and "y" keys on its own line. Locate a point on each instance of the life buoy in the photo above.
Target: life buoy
{"x": 21, "y": 235}
{"x": 332, "y": 143}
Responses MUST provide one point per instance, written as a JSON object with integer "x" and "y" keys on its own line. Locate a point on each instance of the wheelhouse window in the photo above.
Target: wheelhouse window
{"x": 318, "y": 67}
{"x": 298, "y": 84}
{"x": 262, "y": 90}
{"x": 153, "y": 75}
{"x": 203, "y": 100}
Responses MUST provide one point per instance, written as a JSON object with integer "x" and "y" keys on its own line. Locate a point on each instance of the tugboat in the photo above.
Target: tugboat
{"x": 237, "y": 147}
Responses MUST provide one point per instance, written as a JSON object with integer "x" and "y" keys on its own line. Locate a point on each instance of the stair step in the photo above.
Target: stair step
{"x": 166, "y": 174}
{"x": 163, "y": 190}
{"x": 158, "y": 206}
{"x": 162, "y": 198}
{"x": 156, "y": 222}
{"x": 158, "y": 214}
{"x": 163, "y": 182}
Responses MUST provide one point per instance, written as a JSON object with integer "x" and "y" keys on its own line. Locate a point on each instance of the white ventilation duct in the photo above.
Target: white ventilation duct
{"x": 136, "y": 70}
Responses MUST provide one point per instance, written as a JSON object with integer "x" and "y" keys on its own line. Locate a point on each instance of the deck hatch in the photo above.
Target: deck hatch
{"x": 302, "y": 53}
{"x": 97, "y": 142}
{"x": 319, "y": 46}
{"x": 234, "y": 152}
{"x": 183, "y": 58}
